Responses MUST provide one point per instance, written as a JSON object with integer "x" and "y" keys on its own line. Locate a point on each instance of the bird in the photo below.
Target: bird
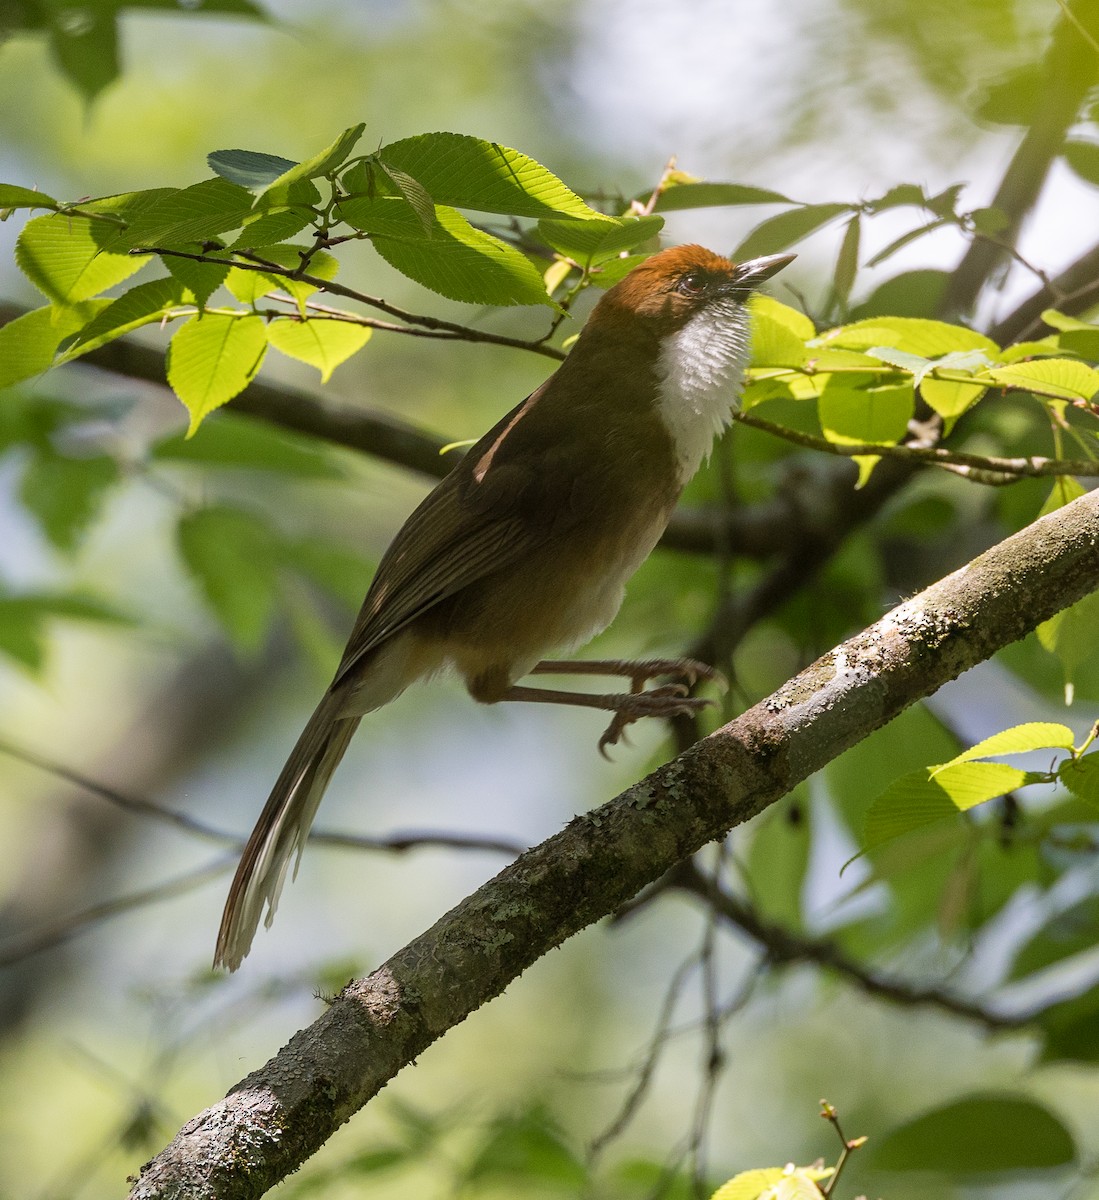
{"x": 525, "y": 547}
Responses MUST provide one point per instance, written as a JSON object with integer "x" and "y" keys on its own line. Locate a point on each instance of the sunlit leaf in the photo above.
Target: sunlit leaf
{"x": 1019, "y": 739}
{"x": 916, "y": 335}
{"x": 847, "y": 261}
{"x": 14, "y": 196}
{"x": 713, "y": 195}
{"x": 796, "y": 321}
{"x": 328, "y": 160}
{"x": 1081, "y": 777}
{"x": 62, "y": 256}
{"x": 872, "y": 415}
{"x": 192, "y": 214}
{"x": 749, "y": 1185}
{"x": 28, "y": 344}
{"x": 468, "y": 172}
{"x": 1066, "y": 378}
{"x": 980, "y": 1134}
{"x": 321, "y": 343}
{"x": 593, "y": 242}
{"x": 141, "y": 305}
{"x": 212, "y": 358}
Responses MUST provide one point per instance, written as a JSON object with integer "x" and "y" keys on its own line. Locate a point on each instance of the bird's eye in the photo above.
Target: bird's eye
{"x": 692, "y": 284}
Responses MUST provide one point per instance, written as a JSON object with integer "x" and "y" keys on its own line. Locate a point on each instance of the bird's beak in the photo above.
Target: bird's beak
{"x": 752, "y": 273}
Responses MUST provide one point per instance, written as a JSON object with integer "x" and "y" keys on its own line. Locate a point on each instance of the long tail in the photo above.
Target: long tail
{"x": 282, "y": 828}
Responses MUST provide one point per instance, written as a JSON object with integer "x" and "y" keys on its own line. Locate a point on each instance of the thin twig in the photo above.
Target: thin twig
{"x": 1021, "y": 468}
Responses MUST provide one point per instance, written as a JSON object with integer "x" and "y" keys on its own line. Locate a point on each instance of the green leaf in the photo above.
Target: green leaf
{"x": 949, "y": 398}
{"x": 590, "y": 243}
{"x": 249, "y": 286}
{"x": 84, "y": 41}
{"x": 847, "y": 261}
{"x": 413, "y": 192}
{"x": 454, "y": 259}
{"x": 614, "y": 270}
{"x": 234, "y": 557}
{"x": 1081, "y": 777}
{"x": 141, "y": 305}
{"x": 467, "y": 172}
{"x": 1083, "y": 158}
{"x": 774, "y": 344}
{"x": 28, "y": 344}
{"x": 23, "y": 621}
{"x": 801, "y": 326}
{"x": 249, "y": 168}
{"x": 201, "y": 279}
{"x": 749, "y": 1185}
{"x": 335, "y": 568}
{"x": 1063, "y": 378}
{"x": 62, "y": 256}
{"x": 1071, "y": 635}
{"x": 897, "y": 196}
{"x": 228, "y": 440}
{"x": 1019, "y": 739}
{"x": 320, "y": 342}
{"x": 879, "y": 416}
{"x": 66, "y": 494}
{"x": 914, "y": 364}
{"x": 198, "y": 213}
{"x": 527, "y": 1147}
{"x": 1065, "y": 323}
{"x": 1068, "y": 933}
{"x": 328, "y": 160}
{"x": 712, "y": 195}
{"x": 14, "y": 196}
{"x": 274, "y": 225}
{"x": 787, "y": 228}
{"x": 916, "y": 335}
{"x": 212, "y": 358}
{"x": 980, "y": 1134}
{"x": 918, "y": 798}
{"x": 1063, "y": 490}
{"x": 1072, "y": 1030}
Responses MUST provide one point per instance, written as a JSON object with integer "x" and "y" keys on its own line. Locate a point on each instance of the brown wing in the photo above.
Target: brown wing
{"x": 477, "y": 520}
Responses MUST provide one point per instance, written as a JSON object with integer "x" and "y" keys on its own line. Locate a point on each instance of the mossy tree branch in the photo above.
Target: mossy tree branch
{"x": 278, "y": 1116}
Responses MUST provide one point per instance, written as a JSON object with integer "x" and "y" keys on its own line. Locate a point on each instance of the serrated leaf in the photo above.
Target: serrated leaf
{"x": 413, "y": 192}
{"x": 981, "y": 1134}
{"x": 201, "y": 279}
{"x": 1019, "y": 739}
{"x": 468, "y": 172}
{"x": 12, "y": 195}
{"x": 249, "y": 168}
{"x": 228, "y": 440}
{"x": 916, "y": 335}
{"x": 62, "y": 256}
{"x": 1081, "y": 777}
{"x": 749, "y": 1185}
{"x": 234, "y": 557}
{"x": 328, "y": 160}
{"x": 141, "y": 305}
{"x": 847, "y": 261}
{"x": 880, "y": 416}
{"x": 320, "y": 342}
{"x": 949, "y": 398}
{"x": 273, "y": 225}
{"x": 914, "y": 364}
{"x": 197, "y": 213}
{"x": 591, "y": 243}
{"x": 1062, "y": 378}
{"x": 787, "y": 228}
{"x": 1065, "y": 323}
{"x": 918, "y": 799}
{"x": 712, "y": 195}
{"x": 797, "y": 322}
{"x": 455, "y": 260}
{"x": 212, "y": 358}
{"x": 249, "y": 285}
{"x": 774, "y": 344}
{"x": 28, "y": 344}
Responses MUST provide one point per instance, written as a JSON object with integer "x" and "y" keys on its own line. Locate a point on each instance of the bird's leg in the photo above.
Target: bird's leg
{"x": 667, "y": 701}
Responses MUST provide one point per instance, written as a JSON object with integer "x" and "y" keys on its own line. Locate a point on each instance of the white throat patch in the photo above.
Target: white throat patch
{"x": 701, "y": 369}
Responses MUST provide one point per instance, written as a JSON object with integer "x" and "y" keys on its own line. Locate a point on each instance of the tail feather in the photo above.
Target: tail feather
{"x": 281, "y": 831}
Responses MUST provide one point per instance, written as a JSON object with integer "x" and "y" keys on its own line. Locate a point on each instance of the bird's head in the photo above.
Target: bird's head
{"x": 681, "y": 321}
{"x": 670, "y": 289}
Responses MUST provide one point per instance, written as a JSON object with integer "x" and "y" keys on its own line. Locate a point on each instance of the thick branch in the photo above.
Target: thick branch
{"x": 281, "y": 1114}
